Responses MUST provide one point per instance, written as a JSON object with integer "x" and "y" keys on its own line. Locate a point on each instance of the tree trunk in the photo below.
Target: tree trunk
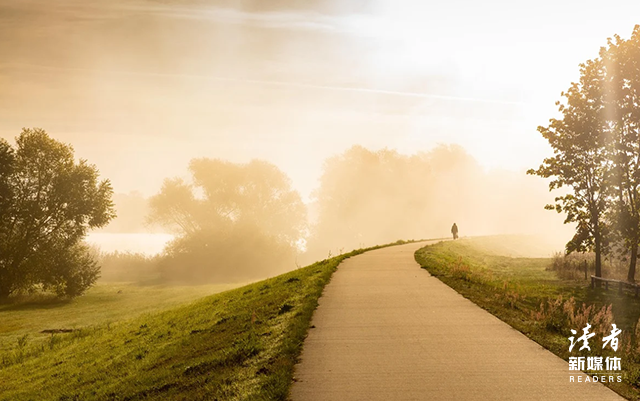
{"x": 631, "y": 277}
{"x": 598, "y": 249}
{"x": 5, "y": 291}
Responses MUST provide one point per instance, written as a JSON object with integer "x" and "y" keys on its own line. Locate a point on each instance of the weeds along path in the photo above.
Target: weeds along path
{"x": 387, "y": 330}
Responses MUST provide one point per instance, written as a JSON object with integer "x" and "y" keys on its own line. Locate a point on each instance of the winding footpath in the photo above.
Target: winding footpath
{"x": 385, "y": 329}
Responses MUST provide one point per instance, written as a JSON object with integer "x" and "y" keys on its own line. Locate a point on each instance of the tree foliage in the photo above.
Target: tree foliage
{"x": 48, "y": 201}
{"x": 622, "y": 92}
{"x": 234, "y": 221}
{"x": 360, "y": 195}
{"x": 370, "y": 197}
{"x": 579, "y": 142}
{"x": 596, "y": 146}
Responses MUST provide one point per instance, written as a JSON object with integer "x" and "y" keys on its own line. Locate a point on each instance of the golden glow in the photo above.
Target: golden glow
{"x": 139, "y": 88}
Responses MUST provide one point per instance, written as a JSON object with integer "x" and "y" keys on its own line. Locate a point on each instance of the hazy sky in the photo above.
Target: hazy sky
{"x": 141, "y": 87}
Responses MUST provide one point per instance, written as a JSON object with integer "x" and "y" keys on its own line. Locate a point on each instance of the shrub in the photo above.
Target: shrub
{"x": 573, "y": 265}
{"x": 128, "y": 266}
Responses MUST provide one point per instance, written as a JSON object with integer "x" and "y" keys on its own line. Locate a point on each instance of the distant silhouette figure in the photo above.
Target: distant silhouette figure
{"x": 454, "y": 231}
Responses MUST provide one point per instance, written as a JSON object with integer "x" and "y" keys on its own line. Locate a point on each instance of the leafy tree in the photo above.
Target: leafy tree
{"x": 369, "y": 197}
{"x": 226, "y": 214}
{"x": 6, "y": 167}
{"x": 48, "y": 202}
{"x": 622, "y": 93}
{"x": 580, "y": 162}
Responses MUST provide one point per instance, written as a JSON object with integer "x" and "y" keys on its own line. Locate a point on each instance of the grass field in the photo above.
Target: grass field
{"x": 101, "y": 305}
{"x": 523, "y": 293}
{"x": 241, "y": 344}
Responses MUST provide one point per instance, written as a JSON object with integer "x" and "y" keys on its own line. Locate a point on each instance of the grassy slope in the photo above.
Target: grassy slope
{"x": 101, "y": 305}
{"x": 238, "y": 345}
{"x": 513, "y": 289}
{"x": 517, "y": 246}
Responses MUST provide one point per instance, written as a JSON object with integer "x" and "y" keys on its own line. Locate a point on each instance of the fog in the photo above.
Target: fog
{"x": 366, "y": 198}
{"x": 447, "y": 95}
{"x": 238, "y": 222}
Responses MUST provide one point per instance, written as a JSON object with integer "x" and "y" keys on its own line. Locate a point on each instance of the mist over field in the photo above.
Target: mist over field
{"x": 364, "y": 198}
{"x": 373, "y": 197}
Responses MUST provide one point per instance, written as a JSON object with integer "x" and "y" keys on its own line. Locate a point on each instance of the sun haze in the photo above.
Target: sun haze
{"x": 141, "y": 87}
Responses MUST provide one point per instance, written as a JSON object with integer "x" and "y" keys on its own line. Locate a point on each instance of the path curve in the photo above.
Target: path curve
{"x": 385, "y": 329}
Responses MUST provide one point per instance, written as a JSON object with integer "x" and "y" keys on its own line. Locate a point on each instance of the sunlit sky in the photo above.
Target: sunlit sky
{"x": 141, "y": 87}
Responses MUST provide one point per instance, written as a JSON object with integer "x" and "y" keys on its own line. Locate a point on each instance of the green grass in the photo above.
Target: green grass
{"x": 514, "y": 290}
{"x": 101, "y": 305}
{"x": 517, "y": 246}
{"x": 237, "y": 345}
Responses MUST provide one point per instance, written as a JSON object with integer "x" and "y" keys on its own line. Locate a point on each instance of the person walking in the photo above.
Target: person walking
{"x": 454, "y": 231}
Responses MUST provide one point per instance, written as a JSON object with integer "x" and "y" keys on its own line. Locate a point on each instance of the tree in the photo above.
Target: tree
{"x": 48, "y": 202}
{"x": 234, "y": 221}
{"x": 579, "y": 141}
{"x": 371, "y": 197}
{"x": 367, "y": 197}
{"x": 622, "y": 93}
{"x": 6, "y": 167}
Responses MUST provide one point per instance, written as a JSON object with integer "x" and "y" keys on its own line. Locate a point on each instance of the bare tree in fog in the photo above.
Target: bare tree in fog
{"x": 234, "y": 221}
{"x": 48, "y": 201}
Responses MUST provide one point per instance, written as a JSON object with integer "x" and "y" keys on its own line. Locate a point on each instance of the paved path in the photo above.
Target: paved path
{"x": 387, "y": 330}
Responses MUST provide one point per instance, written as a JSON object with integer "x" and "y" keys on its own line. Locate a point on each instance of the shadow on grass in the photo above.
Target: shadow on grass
{"x": 33, "y": 302}
{"x": 626, "y": 307}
